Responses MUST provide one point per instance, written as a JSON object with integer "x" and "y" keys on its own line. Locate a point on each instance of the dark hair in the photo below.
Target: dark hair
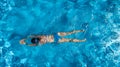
{"x": 35, "y": 40}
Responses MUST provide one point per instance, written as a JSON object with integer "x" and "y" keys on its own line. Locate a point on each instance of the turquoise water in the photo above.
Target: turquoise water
{"x": 100, "y": 19}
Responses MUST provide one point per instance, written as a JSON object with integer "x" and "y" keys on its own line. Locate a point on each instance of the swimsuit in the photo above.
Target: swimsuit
{"x": 56, "y": 37}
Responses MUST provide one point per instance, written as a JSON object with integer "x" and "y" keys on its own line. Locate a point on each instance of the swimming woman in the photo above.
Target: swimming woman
{"x": 53, "y": 38}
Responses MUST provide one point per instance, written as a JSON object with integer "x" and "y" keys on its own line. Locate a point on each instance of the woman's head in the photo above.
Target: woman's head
{"x": 30, "y": 40}
{"x": 35, "y": 40}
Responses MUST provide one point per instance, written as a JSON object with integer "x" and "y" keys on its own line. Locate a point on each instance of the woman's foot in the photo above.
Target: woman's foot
{"x": 76, "y": 31}
{"x": 76, "y": 40}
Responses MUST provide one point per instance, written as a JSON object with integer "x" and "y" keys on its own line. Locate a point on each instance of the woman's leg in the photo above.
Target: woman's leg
{"x": 69, "y": 33}
{"x": 71, "y": 40}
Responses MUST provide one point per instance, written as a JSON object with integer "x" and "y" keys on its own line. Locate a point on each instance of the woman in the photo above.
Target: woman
{"x": 53, "y": 38}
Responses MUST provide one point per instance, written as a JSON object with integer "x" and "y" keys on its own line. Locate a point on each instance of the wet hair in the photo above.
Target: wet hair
{"x": 35, "y": 40}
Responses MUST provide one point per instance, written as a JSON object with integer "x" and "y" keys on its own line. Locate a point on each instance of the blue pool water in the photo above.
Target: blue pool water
{"x": 100, "y": 19}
